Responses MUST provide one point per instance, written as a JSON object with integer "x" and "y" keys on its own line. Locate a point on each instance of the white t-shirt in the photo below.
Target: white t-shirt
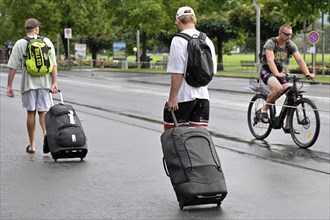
{"x": 17, "y": 59}
{"x": 177, "y": 63}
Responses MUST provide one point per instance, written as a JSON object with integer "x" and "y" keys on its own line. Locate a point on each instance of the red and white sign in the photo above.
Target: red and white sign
{"x": 67, "y": 33}
{"x": 313, "y": 37}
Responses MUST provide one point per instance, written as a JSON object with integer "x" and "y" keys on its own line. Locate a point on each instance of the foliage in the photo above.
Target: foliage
{"x": 99, "y": 23}
{"x": 130, "y": 18}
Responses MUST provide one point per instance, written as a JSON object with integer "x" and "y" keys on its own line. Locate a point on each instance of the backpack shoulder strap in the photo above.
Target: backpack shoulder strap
{"x": 287, "y": 44}
{"x": 274, "y": 40}
{"x": 288, "y": 47}
{"x": 202, "y": 36}
{"x": 27, "y": 39}
{"x": 183, "y": 35}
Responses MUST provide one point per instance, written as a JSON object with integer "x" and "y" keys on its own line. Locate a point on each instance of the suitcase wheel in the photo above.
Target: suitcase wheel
{"x": 181, "y": 204}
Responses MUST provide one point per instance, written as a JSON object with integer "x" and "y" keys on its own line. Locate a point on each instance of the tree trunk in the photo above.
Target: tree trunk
{"x": 144, "y": 61}
{"x": 220, "y": 55}
{"x": 94, "y": 56}
{"x": 65, "y": 45}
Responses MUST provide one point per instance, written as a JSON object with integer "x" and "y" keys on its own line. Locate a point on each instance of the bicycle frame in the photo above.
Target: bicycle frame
{"x": 303, "y": 118}
{"x": 292, "y": 95}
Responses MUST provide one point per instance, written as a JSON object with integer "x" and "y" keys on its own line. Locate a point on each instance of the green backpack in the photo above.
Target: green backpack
{"x": 38, "y": 61}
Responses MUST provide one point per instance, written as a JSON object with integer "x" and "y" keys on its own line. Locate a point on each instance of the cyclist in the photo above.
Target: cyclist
{"x": 274, "y": 59}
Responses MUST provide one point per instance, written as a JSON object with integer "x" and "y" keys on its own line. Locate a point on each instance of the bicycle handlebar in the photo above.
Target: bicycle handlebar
{"x": 296, "y": 78}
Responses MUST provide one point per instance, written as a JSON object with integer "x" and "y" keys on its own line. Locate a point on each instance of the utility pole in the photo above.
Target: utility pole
{"x": 257, "y": 29}
{"x": 138, "y": 48}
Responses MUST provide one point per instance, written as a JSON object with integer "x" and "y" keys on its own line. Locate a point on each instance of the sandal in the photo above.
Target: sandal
{"x": 287, "y": 131}
{"x": 264, "y": 117}
{"x": 29, "y": 150}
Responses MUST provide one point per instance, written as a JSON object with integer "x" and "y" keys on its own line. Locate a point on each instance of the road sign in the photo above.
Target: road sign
{"x": 313, "y": 37}
{"x": 80, "y": 51}
{"x": 10, "y": 44}
{"x": 67, "y": 33}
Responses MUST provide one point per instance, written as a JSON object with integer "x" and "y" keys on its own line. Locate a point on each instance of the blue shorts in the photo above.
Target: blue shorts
{"x": 265, "y": 75}
{"x": 192, "y": 113}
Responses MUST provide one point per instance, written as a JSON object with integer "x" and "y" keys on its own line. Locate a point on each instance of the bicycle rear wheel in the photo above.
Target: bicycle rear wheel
{"x": 258, "y": 129}
{"x": 305, "y": 123}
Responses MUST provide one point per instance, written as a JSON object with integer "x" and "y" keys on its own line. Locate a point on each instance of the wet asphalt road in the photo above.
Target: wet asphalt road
{"x": 122, "y": 176}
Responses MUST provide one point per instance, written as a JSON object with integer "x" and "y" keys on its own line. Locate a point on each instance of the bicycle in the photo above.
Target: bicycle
{"x": 304, "y": 119}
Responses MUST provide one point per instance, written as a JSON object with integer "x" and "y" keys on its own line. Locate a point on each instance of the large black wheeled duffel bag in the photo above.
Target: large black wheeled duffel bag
{"x": 65, "y": 135}
{"x": 192, "y": 163}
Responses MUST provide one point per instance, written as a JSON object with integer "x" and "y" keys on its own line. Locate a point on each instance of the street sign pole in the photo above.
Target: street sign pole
{"x": 314, "y": 59}
{"x": 313, "y": 38}
{"x": 257, "y": 30}
{"x": 68, "y": 35}
{"x": 138, "y": 48}
{"x": 69, "y": 49}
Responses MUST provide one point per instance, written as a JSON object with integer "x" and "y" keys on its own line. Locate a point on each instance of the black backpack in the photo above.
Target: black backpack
{"x": 200, "y": 64}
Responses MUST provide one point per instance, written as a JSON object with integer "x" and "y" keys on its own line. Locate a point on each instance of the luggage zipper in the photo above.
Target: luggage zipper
{"x": 180, "y": 160}
{"x": 207, "y": 139}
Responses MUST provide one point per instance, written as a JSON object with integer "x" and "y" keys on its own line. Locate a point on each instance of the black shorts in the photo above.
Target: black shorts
{"x": 192, "y": 113}
{"x": 265, "y": 75}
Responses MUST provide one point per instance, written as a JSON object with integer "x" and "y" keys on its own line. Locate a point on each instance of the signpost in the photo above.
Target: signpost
{"x": 10, "y": 44}
{"x": 80, "y": 52}
{"x": 313, "y": 38}
{"x": 119, "y": 53}
{"x": 68, "y": 35}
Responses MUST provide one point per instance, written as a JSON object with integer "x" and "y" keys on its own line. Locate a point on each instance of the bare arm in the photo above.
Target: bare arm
{"x": 54, "y": 87}
{"x": 11, "y": 76}
{"x": 176, "y": 80}
{"x": 301, "y": 63}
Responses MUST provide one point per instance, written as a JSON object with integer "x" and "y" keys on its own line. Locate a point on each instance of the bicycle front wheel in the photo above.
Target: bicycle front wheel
{"x": 305, "y": 123}
{"x": 258, "y": 129}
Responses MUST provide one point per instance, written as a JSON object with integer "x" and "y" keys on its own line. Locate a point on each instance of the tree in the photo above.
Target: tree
{"x": 305, "y": 13}
{"x": 87, "y": 20}
{"x": 146, "y": 16}
{"x": 214, "y": 21}
{"x": 217, "y": 25}
{"x": 13, "y": 14}
{"x": 100, "y": 22}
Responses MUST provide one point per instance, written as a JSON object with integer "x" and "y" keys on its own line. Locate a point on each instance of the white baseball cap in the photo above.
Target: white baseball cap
{"x": 185, "y": 11}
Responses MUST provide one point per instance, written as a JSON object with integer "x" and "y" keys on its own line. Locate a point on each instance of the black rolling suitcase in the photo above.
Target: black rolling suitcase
{"x": 192, "y": 163}
{"x": 65, "y": 134}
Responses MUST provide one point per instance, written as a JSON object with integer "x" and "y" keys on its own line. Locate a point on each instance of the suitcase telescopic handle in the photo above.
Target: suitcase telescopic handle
{"x": 51, "y": 96}
{"x": 165, "y": 167}
{"x": 174, "y": 118}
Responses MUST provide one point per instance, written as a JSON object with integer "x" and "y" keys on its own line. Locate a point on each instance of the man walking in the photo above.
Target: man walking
{"x": 34, "y": 89}
{"x": 190, "y": 104}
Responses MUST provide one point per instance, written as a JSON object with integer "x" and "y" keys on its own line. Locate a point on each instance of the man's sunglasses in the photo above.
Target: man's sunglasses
{"x": 287, "y": 34}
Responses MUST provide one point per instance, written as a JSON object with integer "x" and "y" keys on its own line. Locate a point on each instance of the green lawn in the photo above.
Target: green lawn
{"x": 231, "y": 66}
{"x": 234, "y": 59}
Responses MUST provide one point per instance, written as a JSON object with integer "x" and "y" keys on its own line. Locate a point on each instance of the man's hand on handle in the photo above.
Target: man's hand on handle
{"x": 172, "y": 105}
{"x": 54, "y": 88}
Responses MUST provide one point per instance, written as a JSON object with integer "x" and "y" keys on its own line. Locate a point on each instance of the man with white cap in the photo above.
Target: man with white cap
{"x": 190, "y": 104}
{"x": 34, "y": 89}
